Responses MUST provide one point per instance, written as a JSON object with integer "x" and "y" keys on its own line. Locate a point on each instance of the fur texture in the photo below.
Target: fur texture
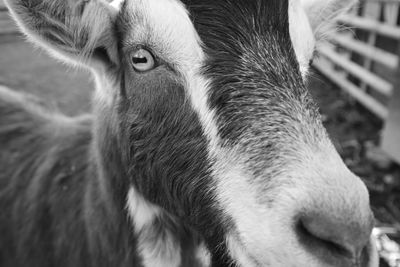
{"x": 219, "y": 147}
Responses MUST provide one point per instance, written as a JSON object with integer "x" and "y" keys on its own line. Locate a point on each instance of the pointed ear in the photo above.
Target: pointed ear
{"x": 321, "y": 13}
{"x": 72, "y": 30}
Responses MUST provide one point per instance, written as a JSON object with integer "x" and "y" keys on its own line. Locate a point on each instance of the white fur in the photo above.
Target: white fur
{"x": 166, "y": 22}
{"x": 117, "y": 4}
{"x": 265, "y": 233}
{"x": 203, "y": 255}
{"x": 162, "y": 251}
{"x": 310, "y": 21}
{"x": 302, "y": 36}
{"x": 238, "y": 252}
{"x": 141, "y": 211}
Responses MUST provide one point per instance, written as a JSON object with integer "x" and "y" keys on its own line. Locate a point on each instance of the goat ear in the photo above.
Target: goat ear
{"x": 322, "y": 12}
{"x": 69, "y": 29}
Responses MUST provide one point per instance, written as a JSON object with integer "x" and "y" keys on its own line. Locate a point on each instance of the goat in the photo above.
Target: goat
{"x": 203, "y": 146}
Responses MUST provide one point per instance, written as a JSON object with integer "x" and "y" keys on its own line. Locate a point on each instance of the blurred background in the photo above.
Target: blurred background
{"x": 355, "y": 79}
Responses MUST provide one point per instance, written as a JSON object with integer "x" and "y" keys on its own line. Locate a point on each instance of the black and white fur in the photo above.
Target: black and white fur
{"x": 217, "y": 157}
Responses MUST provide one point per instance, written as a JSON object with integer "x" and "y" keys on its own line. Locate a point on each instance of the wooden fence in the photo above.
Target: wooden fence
{"x": 363, "y": 59}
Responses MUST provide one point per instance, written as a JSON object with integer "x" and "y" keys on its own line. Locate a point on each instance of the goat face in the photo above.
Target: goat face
{"x": 215, "y": 126}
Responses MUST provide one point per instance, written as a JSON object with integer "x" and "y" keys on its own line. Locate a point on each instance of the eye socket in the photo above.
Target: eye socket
{"x": 142, "y": 60}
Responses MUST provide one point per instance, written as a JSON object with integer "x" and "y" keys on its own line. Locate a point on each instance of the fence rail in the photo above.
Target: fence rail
{"x": 370, "y": 25}
{"x": 363, "y": 59}
{"x": 374, "y": 53}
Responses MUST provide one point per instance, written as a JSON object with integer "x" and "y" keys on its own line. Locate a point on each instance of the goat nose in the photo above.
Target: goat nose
{"x": 341, "y": 236}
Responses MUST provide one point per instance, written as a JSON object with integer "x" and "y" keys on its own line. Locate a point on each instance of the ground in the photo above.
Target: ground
{"x": 354, "y": 131}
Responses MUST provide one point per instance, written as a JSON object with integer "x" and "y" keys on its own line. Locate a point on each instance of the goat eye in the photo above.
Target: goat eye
{"x": 142, "y": 60}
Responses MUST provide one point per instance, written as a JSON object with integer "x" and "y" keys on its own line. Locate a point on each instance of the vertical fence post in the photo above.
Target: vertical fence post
{"x": 391, "y": 132}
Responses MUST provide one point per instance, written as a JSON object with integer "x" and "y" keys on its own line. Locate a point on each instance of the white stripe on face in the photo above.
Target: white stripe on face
{"x": 165, "y": 26}
{"x": 168, "y": 30}
{"x": 173, "y": 32}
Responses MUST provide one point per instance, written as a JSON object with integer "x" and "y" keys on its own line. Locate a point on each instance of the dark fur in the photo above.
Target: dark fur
{"x": 257, "y": 89}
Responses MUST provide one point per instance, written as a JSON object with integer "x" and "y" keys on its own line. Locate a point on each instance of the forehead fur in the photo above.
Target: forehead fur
{"x": 164, "y": 27}
{"x": 245, "y": 52}
{"x": 236, "y": 22}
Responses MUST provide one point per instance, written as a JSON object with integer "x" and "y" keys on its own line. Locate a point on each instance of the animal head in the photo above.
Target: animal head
{"x": 214, "y": 124}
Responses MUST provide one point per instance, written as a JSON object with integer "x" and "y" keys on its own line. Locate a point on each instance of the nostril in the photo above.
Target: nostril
{"x": 314, "y": 238}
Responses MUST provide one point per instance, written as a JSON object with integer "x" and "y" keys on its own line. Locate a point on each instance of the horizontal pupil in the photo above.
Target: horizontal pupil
{"x": 139, "y": 60}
